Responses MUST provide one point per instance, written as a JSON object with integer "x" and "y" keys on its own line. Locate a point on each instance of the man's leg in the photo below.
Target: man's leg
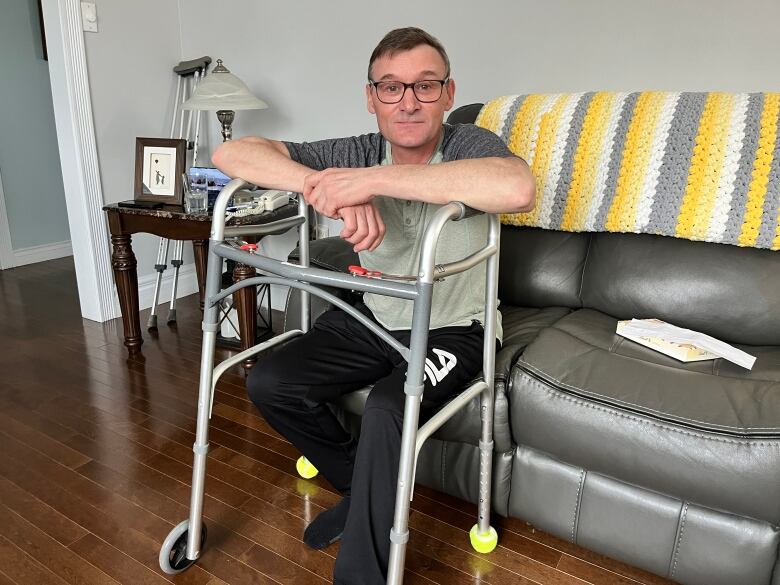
{"x": 292, "y": 386}
{"x": 455, "y": 355}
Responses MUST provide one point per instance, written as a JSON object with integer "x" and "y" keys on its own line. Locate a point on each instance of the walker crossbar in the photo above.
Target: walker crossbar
{"x": 313, "y": 275}
{"x": 182, "y": 546}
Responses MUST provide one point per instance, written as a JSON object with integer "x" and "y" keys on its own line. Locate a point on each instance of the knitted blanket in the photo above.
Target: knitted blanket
{"x": 701, "y": 166}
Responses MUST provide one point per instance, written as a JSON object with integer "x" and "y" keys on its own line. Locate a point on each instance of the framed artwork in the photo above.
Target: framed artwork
{"x": 159, "y": 165}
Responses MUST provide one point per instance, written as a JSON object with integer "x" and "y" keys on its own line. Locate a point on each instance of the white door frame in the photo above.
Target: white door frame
{"x": 6, "y": 248}
{"x": 78, "y": 157}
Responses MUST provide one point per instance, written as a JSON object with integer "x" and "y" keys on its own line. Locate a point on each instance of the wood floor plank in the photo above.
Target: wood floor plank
{"x": 502, "y": 558}
{"x": 120, "y": 523}
{"x": 232, "y": 570}
{"x": 592, "y": 573}
{"x": 282, "y": 571}
{"x": 4, "y": 579}
{"x": 41, "y": 442}
{"x": 508, "y": 541}
{"x": 20, "y": 568}
{"x": 289, "y": 547}
{"x": 43, "y": 516}
{"x": 71, "y": 567}
{"x": 115, "y": 563}
{"x": 471, "y": 563}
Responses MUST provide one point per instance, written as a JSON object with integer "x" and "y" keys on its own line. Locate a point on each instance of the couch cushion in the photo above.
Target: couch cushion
{"x": 522, "y": 325}
{"x": 728, "y": 292}
{"x": 541, "y": 268}
{"x": 708, "y": 432}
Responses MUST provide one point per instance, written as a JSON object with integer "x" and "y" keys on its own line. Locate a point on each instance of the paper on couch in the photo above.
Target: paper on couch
{"x": 645, "y": 330}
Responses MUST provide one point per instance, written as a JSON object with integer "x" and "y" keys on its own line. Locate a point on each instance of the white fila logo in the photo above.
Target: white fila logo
{"x": 447, "y": 362}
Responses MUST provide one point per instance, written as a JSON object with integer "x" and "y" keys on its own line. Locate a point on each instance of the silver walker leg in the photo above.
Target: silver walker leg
{"x": 201, "y": 446}
{"x": 483, "y": 537}
{"x": 413, "y": 388}
{"x": 160, "y": 266}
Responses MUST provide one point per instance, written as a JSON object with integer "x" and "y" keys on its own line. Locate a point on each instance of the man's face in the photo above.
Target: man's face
{"x": 411, "y": 126}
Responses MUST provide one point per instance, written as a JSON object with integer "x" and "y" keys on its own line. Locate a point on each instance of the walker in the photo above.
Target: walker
{"x": 183, "y": 544}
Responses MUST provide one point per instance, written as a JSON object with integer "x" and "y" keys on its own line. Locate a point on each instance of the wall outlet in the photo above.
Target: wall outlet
{"x": 322, "y": 232}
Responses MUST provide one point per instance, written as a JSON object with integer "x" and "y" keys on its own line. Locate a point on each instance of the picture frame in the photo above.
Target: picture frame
{"x": 159, "y": 166}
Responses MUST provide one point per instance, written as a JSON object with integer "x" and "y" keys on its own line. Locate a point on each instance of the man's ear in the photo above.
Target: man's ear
{"x": 370, "y": 99}
{"x": 450, "y": 89}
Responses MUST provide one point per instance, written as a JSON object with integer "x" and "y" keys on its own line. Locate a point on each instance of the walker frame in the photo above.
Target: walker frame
{"x": 182, "y": 547}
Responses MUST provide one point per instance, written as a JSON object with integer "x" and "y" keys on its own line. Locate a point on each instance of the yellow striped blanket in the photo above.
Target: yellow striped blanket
{"x": 701, "y": 166}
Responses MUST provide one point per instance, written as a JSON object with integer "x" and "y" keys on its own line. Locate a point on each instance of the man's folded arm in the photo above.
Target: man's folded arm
{"x": 261, "y": 161}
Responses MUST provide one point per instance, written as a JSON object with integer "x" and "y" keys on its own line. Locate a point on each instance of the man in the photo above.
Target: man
{"x": 385, "y": 187}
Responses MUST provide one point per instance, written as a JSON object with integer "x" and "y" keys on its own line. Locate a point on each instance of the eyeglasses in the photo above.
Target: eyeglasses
{"x": 392, "y": 92}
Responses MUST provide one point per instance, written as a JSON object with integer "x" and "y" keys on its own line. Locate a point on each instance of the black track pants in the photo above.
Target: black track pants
{"x": 339, "y": 355}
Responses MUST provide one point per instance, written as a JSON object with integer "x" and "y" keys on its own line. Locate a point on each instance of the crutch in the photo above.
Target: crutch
{"x": 188, "y": 74}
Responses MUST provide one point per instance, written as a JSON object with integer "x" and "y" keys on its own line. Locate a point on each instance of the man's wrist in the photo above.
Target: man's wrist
{"x": 378, "y": 181}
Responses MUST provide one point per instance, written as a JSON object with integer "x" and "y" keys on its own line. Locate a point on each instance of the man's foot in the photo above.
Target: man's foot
{"x": 328, "y": 526}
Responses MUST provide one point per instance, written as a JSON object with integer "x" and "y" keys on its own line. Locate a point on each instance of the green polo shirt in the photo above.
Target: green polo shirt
{"x": 458, "y": 299}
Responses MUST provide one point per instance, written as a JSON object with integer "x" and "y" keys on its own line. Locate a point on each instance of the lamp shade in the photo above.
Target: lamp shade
{"x": 221, "y": 90}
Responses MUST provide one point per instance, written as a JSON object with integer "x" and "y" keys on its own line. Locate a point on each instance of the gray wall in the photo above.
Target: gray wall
{"x": 130, "y": 61}
{"x": 307, "y": 59}
{"x": 289, "y": 52}
{"x": 29, "y": 157}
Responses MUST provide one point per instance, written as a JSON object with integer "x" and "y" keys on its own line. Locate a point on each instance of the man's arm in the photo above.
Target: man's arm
{"x": 493, "y": 184}
{"x": 268, "y": 163}
{"x": 262, "y": 162}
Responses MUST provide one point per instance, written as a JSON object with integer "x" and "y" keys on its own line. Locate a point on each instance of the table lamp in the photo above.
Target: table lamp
{"x": 224, "y": 92}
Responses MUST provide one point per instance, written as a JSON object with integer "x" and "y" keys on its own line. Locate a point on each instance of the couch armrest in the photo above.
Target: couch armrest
{"x": 505, "y": 359}
{"x": 328, "y": 253}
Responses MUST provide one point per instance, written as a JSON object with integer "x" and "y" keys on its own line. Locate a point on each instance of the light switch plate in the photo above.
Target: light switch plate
{"x": 89, "y": 17}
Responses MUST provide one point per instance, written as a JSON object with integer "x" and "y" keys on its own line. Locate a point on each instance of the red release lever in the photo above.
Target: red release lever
{"x": 356, "y": 270}
{"x": 251, "y": 248}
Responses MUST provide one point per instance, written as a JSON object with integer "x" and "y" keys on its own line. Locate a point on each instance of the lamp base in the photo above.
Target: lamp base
{"x": 225, "y": 118}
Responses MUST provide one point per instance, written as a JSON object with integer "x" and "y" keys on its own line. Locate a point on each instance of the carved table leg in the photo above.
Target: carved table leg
{"x": 124, "y": 264}
{"x": 246, "y": 306}
{"x": 201, "y": 248}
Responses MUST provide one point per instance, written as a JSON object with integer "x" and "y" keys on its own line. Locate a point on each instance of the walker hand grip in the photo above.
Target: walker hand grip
{"x": 466, "y": 211}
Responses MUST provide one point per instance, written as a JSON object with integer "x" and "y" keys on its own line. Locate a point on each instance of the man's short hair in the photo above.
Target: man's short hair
{"x": 406, "y": 39}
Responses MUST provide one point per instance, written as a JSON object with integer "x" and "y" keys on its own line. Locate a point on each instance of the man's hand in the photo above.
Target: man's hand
{"x": 363, "y": 226}
{"x": 332, "y": 189}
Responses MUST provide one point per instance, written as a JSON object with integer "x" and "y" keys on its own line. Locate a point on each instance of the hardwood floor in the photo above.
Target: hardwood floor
{"x": 96, "y": 458}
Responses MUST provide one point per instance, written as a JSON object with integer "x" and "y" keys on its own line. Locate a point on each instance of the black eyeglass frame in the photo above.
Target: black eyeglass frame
{"x": 375, "y": 85}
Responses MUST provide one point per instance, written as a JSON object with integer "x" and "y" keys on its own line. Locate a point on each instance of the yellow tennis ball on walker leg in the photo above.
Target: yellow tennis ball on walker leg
{"x": 483, "y": 543}
{"x": 305, "y": 469}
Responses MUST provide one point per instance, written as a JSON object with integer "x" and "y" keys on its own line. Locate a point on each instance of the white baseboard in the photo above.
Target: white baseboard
{"x": 188, "y": 284}
{"x": 34, "y": 254}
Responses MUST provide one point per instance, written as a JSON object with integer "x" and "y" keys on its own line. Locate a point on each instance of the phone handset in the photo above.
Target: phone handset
{"x": 272, "y": 200}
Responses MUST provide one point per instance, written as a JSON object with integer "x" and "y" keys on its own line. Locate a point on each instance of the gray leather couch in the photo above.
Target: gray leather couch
{"x": 670, "y": 467}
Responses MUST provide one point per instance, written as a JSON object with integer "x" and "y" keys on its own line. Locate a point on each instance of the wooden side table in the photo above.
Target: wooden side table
{"x": 172, "y": 223}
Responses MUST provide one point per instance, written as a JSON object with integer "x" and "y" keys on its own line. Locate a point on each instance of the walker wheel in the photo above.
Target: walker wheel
{"x": 173, "y": 553}
{"x": 305, "y": 469}
{"x": 483, "y": 543}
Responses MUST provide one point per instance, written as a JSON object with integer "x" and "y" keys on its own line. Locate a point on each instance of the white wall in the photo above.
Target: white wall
{"x": 307, "y": 59}
{"x": 29, "y": 159}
